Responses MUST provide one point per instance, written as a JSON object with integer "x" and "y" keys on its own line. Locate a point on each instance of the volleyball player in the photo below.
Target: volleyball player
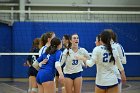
{"x": 73, "y": 67}
{"x": 120, "y": 50}
{"x": 32, "y": 72}
{"x": 66, "y": 41}
{"x": 105, "y": 57}
{"x": 46, "y": 74}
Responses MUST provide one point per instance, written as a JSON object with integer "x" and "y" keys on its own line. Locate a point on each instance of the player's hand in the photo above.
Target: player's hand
{"x": 78, "y": 57}
{"x": 44, "y": 61}
{"x": 61, "y": 78}
{"x": 123, "y": 79}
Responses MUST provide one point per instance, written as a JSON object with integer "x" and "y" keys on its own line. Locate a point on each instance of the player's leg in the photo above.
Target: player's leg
{"x": 48, "y": 87}
{"x": 99, "y": 90}
{"x": 34, "y": 84}
{"x": 40, "y": 88}
{"x": 63, "y": 87}
{"x": 77, "y": 85}
{"x": 114, "y": 89}
{"x": 30, "y": 86}
{"x": 56, "y": 83}
{"x": 120, "y": 87}
{"x": 68, "y": 85}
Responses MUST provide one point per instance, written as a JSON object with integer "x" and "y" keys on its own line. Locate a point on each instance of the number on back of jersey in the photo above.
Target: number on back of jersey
{"x": 106, "y": 57}
{"x": 33, "y": 58}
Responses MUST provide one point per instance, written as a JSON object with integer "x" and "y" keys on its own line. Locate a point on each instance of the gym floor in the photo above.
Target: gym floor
{"x": 88, "y": 87}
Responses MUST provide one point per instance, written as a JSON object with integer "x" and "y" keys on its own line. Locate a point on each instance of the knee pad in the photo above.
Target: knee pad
{"x": 35, "y": 90}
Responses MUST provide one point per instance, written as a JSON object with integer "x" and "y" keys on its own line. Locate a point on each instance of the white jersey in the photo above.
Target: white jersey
{"x": 122, "y": 56}
{"x": 106, "y": 73}
{"x": 120, "y": 51}
{"x": 42, "y": 50}
{"x": 71, "y": 64}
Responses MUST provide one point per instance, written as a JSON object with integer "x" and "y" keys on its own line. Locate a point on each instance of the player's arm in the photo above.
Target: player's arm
{"x": 120, "y": 67}
{"x": 121, "y": 54}
{"x": 86, "y": 55}
{"x": 58, "y": 65}
{"x": 43, "y": 62}
{"x": 36, "y": 63}
{"x": 91, "y": 61}
{"x": 63, "y": 57}
{"x": 93, "y": 58}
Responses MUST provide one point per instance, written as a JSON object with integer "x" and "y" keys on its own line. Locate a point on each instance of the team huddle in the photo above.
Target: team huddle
{"x": 64, "y": 61}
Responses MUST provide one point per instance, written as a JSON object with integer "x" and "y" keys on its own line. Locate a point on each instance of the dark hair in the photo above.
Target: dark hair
{"x": 106, "y": 38}
{"x": 67, "y": 37}
{"x": 114, "y": 37}
{"x": 69, "y": 44}
{"x": 113, "y": 34}
{"x": 53, "y": 46}
{"x": 35, "y": 44}
{"x": 45, "y": 36}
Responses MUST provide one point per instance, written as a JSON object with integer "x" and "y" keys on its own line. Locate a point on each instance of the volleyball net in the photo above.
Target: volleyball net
{"x": 70, "y": 16}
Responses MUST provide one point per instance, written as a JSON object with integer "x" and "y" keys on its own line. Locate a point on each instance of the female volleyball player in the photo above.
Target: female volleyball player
{"x": 73, "y": 67}
{"x": 120, "y": 50}
{"x": 105, "y": 57}
{"x": 32, "y": 72}
{"x": 46, "y": 73}
{"x": 66, "y": 41}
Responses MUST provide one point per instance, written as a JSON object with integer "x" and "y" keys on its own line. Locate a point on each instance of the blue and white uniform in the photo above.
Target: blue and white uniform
{"x": 122, "y": 56}
{"x": 47, "y": 71}
{"x": 42, "y": 50}
{"x": 106, "y": 70}
{"x": 120, "y": 51}
{"x": 73, "y": 67}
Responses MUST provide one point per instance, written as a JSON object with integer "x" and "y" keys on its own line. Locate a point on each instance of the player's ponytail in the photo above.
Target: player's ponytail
{"x": 106, "y": 38}
{"x": 53, "y": 46}
{"x": 68, "y": 47}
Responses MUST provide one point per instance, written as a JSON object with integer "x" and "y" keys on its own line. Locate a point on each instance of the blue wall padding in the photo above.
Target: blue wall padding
{"x": 5, "y": 46}
{"x": 23, "y": 34}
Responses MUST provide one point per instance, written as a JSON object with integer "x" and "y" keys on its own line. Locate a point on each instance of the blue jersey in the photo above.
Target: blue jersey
{"x": 47, "y": 71}
{"x": 50, "y": 65}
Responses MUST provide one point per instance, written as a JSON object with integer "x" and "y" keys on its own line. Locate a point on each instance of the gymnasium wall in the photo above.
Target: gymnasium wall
{"x": 5, "y": 46}
{"x": 23, "y": 34}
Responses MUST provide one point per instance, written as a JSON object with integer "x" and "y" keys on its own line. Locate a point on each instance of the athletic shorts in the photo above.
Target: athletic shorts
{"x": 32, "y": 71}
{"x": 73, "y": 76}
{"x": 44, "y": 76}
{"x": 107, "y": 87}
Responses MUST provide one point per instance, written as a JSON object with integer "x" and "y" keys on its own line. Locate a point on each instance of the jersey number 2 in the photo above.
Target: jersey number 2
{"x": 106, "y": 57}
